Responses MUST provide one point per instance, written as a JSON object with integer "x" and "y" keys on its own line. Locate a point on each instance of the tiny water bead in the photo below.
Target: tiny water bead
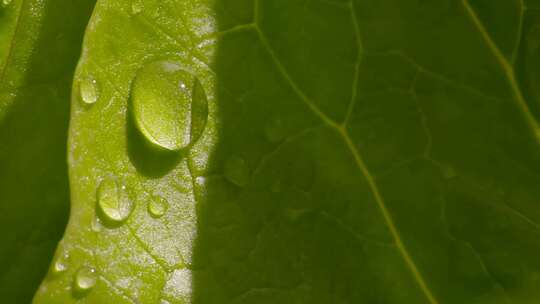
{"x": 113, "y": 202}
{"x": 169, "y": 105}
{"x": 96, "y": 224}
{"x": 158, "y": 206}
{"x": 85, "y": 279}
{"x": 89, "y": 90}
{"x": 60, "y": 264}
{"x": 237, "y": 171}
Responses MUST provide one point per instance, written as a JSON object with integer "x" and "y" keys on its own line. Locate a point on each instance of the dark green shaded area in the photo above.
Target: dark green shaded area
{"x": 435, "y": 120}
{"x": 35, "y": 83}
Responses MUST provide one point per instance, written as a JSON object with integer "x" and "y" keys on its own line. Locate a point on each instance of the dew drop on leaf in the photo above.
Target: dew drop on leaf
{"x": 158, "y": 206}
{"x": 200, "y": 181}
{"x": 237, "y": 171}
{"x": 89, "y": 90}
{"x": 169, "y": 105}
{"x": 113, "y": 204}
{"x": 85, "y": 279}
{"x": 60, "y": 264}
{"x": 96, "y": 225}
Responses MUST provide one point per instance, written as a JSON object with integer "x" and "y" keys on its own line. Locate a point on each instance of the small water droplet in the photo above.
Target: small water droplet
{"x": 136, "y": 7}
{"x": 237, "y": 171}
{"x": 113, "y": 202}
{"x": 274, "y": 131}
{"x": 158, "y": 206}
{"x": 169, "y": 105}
{"x": 60, "y": 264}
{"x": 200, "y": 181}
{"x": 96, "y": 224}
{"x": 89, "y": 90}
{"x": 200, "y": 187}
{"x": 85, "y": 279}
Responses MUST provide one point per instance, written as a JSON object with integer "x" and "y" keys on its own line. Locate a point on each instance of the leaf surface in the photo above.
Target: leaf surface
{"x": 354, "y": 152}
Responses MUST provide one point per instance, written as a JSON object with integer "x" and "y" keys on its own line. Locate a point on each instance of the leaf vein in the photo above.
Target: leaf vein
{"x": 519, "y": 34}
{"x": 508, "y": 70}
{"x": 145, "y": 247}
{"x": 357, "y": 64}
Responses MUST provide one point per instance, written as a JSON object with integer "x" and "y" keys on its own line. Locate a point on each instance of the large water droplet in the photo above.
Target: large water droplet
{"x": 237, "y": 171}
{"x": 85, "y": 279}
{"x": 6, "y": 2}
{"x": 136, "y": 7}
{"x": 169, "y": 105}
{"x": 113, "y": 203}
{"x": 89, "y": 90}
{"x": 158, "y": 206}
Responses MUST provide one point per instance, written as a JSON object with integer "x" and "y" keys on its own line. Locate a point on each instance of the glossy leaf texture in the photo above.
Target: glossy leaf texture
{"x": 39, "y": 47}
{"x": 352, "y": 152}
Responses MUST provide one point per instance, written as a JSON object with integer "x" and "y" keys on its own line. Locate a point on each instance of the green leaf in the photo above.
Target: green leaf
{"x": 39, "y": 47}
{"x": 354, "y": 152}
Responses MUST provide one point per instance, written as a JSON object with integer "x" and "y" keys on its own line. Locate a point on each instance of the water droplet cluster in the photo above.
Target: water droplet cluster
{"x": 85, "y": 278}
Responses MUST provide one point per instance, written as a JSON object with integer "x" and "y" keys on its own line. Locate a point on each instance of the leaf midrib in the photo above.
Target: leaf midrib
{"x": 341, "y": 129}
